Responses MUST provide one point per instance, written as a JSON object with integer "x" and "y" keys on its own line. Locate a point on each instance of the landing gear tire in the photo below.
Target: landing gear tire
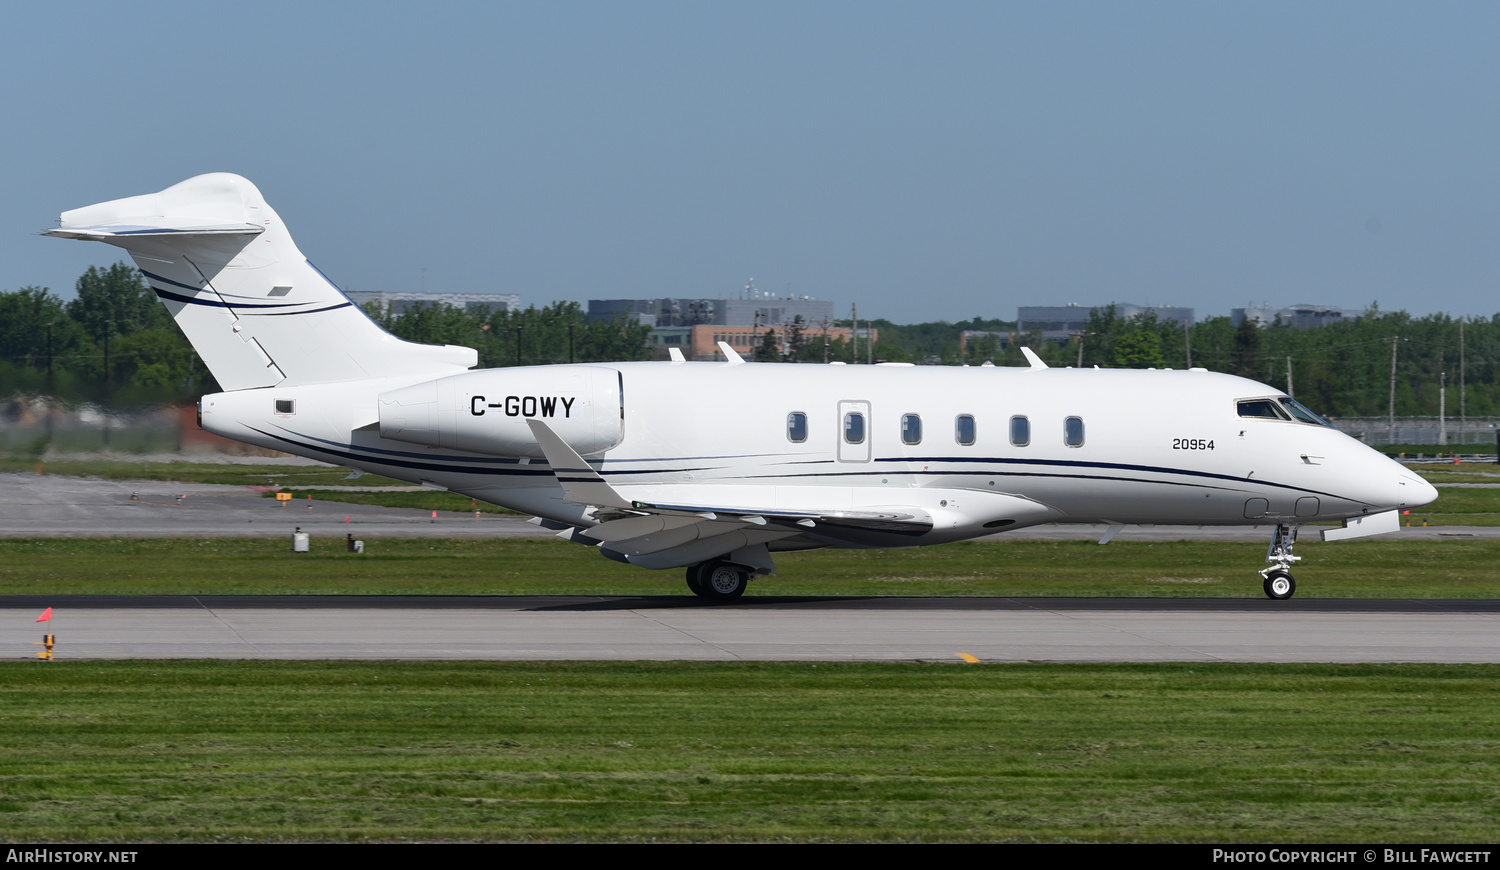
{"x": 1280, "y": 585}
{"x": 695, "y": 579}
{"x": 721, "y": 581}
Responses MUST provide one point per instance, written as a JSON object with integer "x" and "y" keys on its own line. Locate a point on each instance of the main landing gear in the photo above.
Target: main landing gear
{"x": 1279, "y": 583}
{"x": 717, "y": 580}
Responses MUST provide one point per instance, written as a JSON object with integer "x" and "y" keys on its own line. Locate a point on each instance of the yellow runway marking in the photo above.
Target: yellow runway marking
{"x": 968, "y": 658}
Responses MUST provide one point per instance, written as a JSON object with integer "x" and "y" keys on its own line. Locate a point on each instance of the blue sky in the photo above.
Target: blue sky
{"x": 932, "y": 161}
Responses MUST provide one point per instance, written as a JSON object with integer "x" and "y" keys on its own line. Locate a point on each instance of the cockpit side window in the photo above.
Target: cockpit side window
{"x": 1299, "y": 411}
{"x": 1262, "y": 409}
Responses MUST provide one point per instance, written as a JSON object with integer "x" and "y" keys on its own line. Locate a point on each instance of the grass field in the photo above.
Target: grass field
{"x": 143, "y": 751}
{"x": 1375, "y": 568}
{"x": 457, "y": 751}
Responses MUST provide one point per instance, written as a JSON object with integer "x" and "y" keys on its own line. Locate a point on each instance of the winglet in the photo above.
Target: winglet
{"x": 733, "y": 358}
{"x": 580, "y": 482}
{"x": 676, "y": 355}
{"x": 1031, "y": 357}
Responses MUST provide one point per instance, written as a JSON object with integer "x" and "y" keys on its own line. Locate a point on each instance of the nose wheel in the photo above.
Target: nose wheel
{"x": 1279, "y": 584}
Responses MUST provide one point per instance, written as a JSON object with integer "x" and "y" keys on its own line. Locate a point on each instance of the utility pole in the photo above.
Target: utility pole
{"x": 854, "y": 335}
{"x": 1463, "y": 417}
{"x": 1442, "y": 405}
{"x": 571, "y": 324}
{"x": 1187, "y": 340}
{"x": 1289, "y": 390}
{"x": 518, "y": 345}
{"x": 1391, "y": 420}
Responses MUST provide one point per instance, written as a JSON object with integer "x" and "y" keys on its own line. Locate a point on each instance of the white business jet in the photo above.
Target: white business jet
{"x": 715, "y": 466}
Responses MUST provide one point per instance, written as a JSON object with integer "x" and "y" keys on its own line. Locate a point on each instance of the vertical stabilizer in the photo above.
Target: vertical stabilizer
{"x": 252, "y": 305}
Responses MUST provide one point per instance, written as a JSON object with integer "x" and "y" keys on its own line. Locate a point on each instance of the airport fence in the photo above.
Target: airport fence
{"x": 41, "y": 426}
{"x": 1379, "y": 432}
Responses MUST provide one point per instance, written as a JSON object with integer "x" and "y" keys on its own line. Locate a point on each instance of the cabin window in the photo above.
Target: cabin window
{"x": 796, "y": 427}
{"x": 911, "y": 429}
{"x": 1299, "y": 412}
{"x": 1263, "y": 409}
{"x": 286, "y": 406}
{"x": 1073, "y": 431}
{"x": 854, "y": 428}
{"x": 963, "y": 430}
{"x": 1020, "y": 431}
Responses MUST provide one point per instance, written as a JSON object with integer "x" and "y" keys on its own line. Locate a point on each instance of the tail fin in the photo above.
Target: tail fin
{"x": 252, "y": 305}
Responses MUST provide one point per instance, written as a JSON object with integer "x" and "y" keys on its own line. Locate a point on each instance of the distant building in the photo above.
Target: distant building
{"x": 702, "y": 342}
{"x": 399, "y": 302}
{"x": 969, "y": 335}
{"x": 1061, "y": 322}
{"x": 1295, "y": 316}
{"x": 763, "y": 311}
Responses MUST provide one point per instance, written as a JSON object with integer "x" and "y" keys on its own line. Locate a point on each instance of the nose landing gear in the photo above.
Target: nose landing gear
{"x": 1279, "y": 584}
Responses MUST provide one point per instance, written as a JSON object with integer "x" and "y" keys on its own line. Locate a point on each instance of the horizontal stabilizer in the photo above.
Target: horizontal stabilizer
{"x": 1360, "y": 527}
{"x": 180, "y": 227}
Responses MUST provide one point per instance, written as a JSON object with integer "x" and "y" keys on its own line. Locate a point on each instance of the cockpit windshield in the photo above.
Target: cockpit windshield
{"x": 1279, "y": 408}
{"x": 1265, "y": 409}
{"x": 1299, "y": 411}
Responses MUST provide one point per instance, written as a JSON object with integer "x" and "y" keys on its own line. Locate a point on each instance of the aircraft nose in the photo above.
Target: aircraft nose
{"x": 1414, "y": 491}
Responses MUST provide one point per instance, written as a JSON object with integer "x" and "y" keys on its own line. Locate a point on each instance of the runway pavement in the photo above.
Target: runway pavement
{"x": 69, "y": 507}
{"x": 765, "y": 629}
{"x": 671, "y": 627}
{"x": 52, "y": 506}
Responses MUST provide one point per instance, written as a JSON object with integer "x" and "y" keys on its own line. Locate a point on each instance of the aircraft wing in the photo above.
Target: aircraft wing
{"x": 673, "y": 525}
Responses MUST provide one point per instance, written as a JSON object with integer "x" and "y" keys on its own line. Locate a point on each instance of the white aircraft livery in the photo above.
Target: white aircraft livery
{"x": 716, "y": 466}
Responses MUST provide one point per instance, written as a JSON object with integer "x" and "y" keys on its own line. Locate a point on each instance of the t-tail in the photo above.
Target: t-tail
{"x": 256, "y": 310}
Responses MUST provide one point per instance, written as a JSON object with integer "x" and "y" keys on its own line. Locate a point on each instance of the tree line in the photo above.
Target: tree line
{"x": 1343, "y": 369}
{"x": 113, "y": 343}
{"x": 116, "y": 344}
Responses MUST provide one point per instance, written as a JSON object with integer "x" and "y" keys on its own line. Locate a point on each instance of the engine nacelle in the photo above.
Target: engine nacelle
{"x": 486, "y": 411}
